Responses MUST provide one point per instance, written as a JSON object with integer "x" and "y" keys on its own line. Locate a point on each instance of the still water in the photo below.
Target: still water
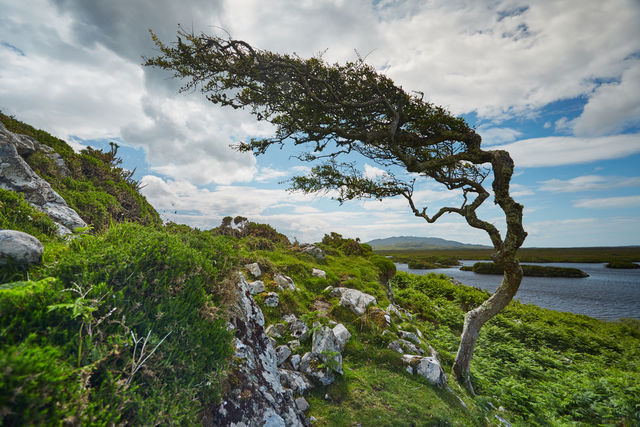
{"x": 607, "y": 294}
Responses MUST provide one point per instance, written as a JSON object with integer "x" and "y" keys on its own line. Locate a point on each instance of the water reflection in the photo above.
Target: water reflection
{"x": 607, "y": 294}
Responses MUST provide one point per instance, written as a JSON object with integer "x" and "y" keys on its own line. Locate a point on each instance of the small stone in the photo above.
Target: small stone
{"x": 295, "y": 361}
{"x": 282, "y": 353}
{"x": 328, "y": 289}
{"x": 313, "y": 419}
{"x": 314, "y": 251}
{"x": 256, "y": 287}
{"x": 316, "y": 272}
{"x": 342, "y": 334}
{"x": 289, "y": 318}
{"x": 254, "y": 269}
{"x": 302, "y": 404}
{"x": 275, "y": 330}
{"x": 271, "y": 299}
{"x": 428, "y": 367}
{"x": 308, "y": 365}
{"x": 285, "y": 282}
{"x": 299, "y": 330}
{"x": 294, "y": 381}
{"x": 403, "y": 346}
{"x": 409, "y": 336}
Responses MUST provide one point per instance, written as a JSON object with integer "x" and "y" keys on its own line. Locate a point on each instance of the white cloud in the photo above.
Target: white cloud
{"x": 269, "y": 174}
{"x": 518, "y": 190}
{"x": 495, "y": 135}
{"x": 609, "y": 202}
{"x": 588, "y": 182}
{"x": 612, "y": 107}
{"x": 187, "y": 139}
{"x": 372, "y": 172}
{"x": 566, "y": 150}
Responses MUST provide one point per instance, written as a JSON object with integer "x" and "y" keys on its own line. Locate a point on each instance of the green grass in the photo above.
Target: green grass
{"x": 98, "y": 189}
{"x": 542, "y": 366}
{"x": 73, "y": 327}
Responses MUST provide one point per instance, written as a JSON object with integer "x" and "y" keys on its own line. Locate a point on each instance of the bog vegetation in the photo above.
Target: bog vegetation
{"x": 126, "y": 325}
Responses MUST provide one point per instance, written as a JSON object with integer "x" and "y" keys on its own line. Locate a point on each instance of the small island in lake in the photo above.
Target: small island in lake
{"x": 622, "y": 264}
{"x": 528, "y": 270}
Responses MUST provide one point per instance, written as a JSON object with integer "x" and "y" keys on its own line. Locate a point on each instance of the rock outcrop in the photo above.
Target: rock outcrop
{"x": 428, "y": 367}
{"x": 258, "y": 398}
{"x": 317, "y": 253}
{"x": 16, "y": 175}
{"x": 20, "y": 248}
{"x": 354, "y": 299}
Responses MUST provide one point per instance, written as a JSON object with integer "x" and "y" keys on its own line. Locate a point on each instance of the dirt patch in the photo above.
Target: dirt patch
{"x": 321, "y": 306}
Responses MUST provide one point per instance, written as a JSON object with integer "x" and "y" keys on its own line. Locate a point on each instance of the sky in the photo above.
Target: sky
{"x": 556, "y": 83}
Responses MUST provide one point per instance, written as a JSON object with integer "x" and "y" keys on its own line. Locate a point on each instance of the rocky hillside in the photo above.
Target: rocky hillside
{"x": 54, "y": 178}
{"x": 142, "y": 324}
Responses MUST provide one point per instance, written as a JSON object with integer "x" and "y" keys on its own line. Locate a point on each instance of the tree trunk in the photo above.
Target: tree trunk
{"x": 477, "y": 317}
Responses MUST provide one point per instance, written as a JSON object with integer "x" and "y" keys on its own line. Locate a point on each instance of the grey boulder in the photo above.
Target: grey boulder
{"x": 21, "y": 248}
{"x": 428, "y": 367}
{"x": 357, "y": 301}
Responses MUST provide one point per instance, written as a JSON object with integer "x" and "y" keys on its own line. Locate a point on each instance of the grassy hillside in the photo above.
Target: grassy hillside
{"x": 96, "y": 186}
{"x": 75, "y": 332}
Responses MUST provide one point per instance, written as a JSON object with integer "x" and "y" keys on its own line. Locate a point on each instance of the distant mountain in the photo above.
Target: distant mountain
{"x": 418, "y": 243}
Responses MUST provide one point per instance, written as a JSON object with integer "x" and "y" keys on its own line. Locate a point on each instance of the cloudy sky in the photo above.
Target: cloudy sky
{"x": 557, "y": 83}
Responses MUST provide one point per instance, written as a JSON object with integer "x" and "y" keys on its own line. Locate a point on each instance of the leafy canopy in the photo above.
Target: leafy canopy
{"x": 351, "y": 106}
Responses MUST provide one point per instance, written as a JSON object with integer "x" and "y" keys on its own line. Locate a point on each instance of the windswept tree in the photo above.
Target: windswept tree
{"x": 333, "y": 112}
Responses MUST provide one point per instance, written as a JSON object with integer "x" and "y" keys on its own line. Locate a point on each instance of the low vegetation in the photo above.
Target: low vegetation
{"x": 126, "y": 325}
{"x": 94, "y": 184}
{"x": 622, "y": 264}
{"x": 528, "y": 270}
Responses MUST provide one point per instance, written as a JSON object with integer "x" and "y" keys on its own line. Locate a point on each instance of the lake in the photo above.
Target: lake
{"x": 608, "y": 294}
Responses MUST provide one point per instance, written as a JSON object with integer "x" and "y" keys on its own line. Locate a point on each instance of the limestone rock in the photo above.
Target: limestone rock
{"x": 299, "y": 330}
{"x": 275, "y": 330}
{"x": 294, "y": 381}
{"x": 295, "y": 361}
{"x": 16, "y": 175}
{"x": 314, "y": 251}
{"x": 271, "y": 299}
{"x": 294, "y": 345}
{"x": 257, "y": 375}
{"x": 256, "y": 287}
{"x": 428, "y": 367}
{"x": 325, "y": 344}
{"x": 409, "y": 336}
{"x": 302, "y": 404}
{"x": 254, "y": 269}
{"x": 282, "y": 353}
{"x": 21, "y": 248}
{"x": 25, "y": 145}
{"x": 354, "y": 299}
{"x": 342, "y": 335}
{"x": 285, "y": 282}
{"x": 309, "y": 365}
{"x": 316, "y": 272}
{"x": 404, "y": 346}
{"x": 289, "y": 318}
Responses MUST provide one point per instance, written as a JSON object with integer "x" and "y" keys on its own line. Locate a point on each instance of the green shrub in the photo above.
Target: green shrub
{"x": 17, "y": 214}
